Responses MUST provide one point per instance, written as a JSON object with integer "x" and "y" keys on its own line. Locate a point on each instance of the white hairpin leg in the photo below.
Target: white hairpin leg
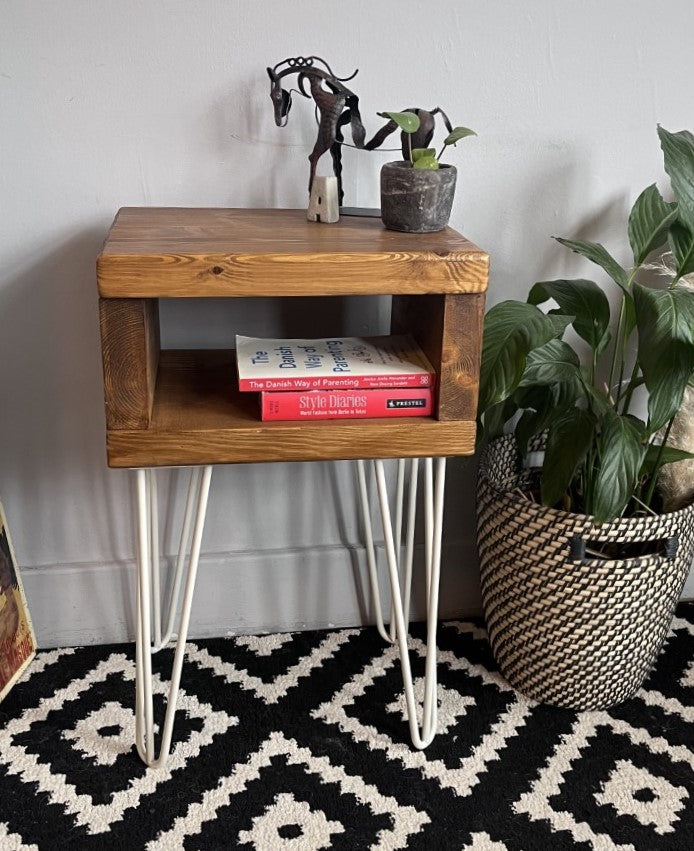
{"x": 149, "y": 615}
{"x": 400, "y": 599}
{"x": 370, "y": 550}
{"x": 390, "y": 635}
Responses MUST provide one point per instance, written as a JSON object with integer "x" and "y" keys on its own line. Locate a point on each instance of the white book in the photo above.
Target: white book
{"x": 331, "y": 363}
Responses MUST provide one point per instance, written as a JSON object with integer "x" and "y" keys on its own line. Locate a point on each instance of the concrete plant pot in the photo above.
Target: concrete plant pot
{"x": 416, "y": 200}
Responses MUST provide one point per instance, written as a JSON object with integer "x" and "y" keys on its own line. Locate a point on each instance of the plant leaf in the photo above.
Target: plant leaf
{"x": 629, "y": 314}
{"x": 543, "y": 404}
{"x": 681, "y": 242}
{"x": 600, "y": 255}
{"x": 457, "y": 134}
{"x": 666, "y": 398}
{"x": 665, "y": 320}
{"x": 649, "y": 221}
{"x": 496, "y": 417}
{"x": 554, "y": 362}
{"x": 430, "y": 163}
{"x": 599, "y": 401}
{"x": 406, "y": 121}
{"x": 678, "y": 153}
{"x": 511, "y": 330}
{"x": 418, "y": 153}
{"x": 559, "y": 322}
{"x": 670, "y": 455}
{"x": 585, "y": 301}
{"x": 568, "y": 441}
{"x": 620, "y": 454}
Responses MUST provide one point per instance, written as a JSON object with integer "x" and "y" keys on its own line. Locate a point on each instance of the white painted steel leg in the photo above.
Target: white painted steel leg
{"x": 433, "y": 516}
{"x": 390, "y": 635}
{"x": 193, "y": 487}
{"x": 153, "y": 503}
{"x": 370, "y": 550}
{"x": 149, "y": 605}
{"x": 399, "y": 494}
{"x": 409, "y": 541}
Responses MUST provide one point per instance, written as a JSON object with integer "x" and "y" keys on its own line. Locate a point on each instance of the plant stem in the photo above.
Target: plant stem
{"x": 621, "y": 338}
{"x": 589, "y": 469}
{"x": 622, "y": 361}
{"x": 630, "y": 389}
{"x": 617, "y": 339}
{"x": 656, "y": 468}
{"x": 409, "y": 144}
{"x": 440, "y": 153}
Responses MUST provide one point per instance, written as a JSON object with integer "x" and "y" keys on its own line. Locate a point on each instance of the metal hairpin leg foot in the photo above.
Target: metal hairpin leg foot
{"x": 400, "y": 599}
{"x": 150, "y": 638}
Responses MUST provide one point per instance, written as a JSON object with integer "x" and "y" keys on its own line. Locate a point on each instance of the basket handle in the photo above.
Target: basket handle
{"x": 577, "y": 547}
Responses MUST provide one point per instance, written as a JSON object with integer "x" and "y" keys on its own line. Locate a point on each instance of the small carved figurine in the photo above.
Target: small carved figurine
{"x": 337, "y": 106}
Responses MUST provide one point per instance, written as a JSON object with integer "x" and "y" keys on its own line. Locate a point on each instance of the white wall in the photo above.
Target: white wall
{"x": 106, "y": 104}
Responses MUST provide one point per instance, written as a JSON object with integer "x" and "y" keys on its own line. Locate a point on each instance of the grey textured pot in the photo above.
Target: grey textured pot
{"x": 416, "y": 200}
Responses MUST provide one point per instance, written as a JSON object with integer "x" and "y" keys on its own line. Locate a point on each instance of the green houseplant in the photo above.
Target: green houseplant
{"x": 417, "y": 192}
{"x": 559, "y": 540}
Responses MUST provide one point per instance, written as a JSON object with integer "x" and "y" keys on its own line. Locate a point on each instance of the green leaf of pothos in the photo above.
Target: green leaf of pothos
{"x": 418, "y": 153}
{"x": 457, "y": 134}
{"x": 407, "y": 121}
{"x": 429, "y": 163}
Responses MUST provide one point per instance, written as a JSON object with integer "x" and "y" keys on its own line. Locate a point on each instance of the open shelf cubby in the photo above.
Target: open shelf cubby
{"x": 182, "y": 407}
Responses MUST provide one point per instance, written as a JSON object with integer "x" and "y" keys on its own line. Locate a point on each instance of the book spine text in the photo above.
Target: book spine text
{"x": 346, "y": 404}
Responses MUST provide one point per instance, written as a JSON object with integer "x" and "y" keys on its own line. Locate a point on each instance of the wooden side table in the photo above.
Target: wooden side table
{"x": 180, "y": 408}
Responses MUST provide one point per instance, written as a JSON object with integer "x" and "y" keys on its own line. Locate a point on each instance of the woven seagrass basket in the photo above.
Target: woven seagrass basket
{"x": 566, "y": 629}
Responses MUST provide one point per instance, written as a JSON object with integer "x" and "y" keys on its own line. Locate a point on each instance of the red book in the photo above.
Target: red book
{"x": 339, "y": 363}
{"x": 346, "y": 404}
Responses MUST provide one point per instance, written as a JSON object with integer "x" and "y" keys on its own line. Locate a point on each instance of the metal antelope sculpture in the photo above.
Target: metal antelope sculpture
{"x": 338, "y": 106}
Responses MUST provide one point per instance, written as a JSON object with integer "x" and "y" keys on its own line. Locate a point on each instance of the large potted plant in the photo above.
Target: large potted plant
{"x": 581, "y": 566}
{"x": 417, "y": 192}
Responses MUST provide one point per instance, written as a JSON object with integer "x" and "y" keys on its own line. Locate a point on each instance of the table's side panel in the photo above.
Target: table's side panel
{"x": 449, "y": 329}
{"x": 130, "y": 352}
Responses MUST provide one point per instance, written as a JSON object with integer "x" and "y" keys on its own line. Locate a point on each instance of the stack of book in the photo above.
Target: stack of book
{"x": 336, "y": 378}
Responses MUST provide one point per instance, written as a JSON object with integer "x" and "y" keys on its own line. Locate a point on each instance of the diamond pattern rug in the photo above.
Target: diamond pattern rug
{"x": 300, "y": 742}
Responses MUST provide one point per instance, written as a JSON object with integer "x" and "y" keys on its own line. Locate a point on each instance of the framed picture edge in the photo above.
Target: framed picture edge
{"x": 25, "y": 613}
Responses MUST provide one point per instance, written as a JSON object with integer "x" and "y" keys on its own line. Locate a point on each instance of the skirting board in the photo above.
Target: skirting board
{"x": 238, "y": 592}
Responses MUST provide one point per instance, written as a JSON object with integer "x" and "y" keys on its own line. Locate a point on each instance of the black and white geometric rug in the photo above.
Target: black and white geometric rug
{"x": 299, "y": 742}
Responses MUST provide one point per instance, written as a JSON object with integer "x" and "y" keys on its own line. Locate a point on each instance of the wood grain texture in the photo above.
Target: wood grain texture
{"x": 181, "y": 253}
{"x": 461, "y": 353}
{"x": 130, "y": 354}
{"x": 199, "y": 418}
{"x": 449, "y": 330}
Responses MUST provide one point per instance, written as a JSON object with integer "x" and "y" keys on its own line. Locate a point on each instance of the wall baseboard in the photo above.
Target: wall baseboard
{"x": 242, "y": 592}
{"x": 237, "y": 592}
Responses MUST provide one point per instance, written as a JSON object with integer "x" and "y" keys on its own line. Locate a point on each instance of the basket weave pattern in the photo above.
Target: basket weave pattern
{"x": 576, "y": 633}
